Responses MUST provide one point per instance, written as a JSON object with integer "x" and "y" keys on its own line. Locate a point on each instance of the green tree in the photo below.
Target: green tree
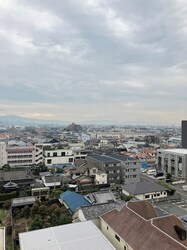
{"x": 34, "y": 209}
{"x": 43, "y": 210}
{"x": 55, "y": 193}
{"x": 36, "y": 223}
{"x": 25, "y": 212}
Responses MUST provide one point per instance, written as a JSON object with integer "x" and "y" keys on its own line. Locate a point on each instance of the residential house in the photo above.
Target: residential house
{"x": 72, "y": 201}
{"x": 145, "y": 190}
{"x": 94, "y": 211}
{"x": 137, "y": 226}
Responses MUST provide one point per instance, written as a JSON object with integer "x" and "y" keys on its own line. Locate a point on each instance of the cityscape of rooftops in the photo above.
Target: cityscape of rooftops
{"x": 93, "y": 126}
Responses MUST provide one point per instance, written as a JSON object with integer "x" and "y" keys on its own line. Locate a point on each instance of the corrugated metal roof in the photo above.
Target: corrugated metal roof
{"x": 74, "y": 200}
{"x": 78, "y": 236}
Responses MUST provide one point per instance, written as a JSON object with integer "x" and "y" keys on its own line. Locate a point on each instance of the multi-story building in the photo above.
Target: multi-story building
{"x": 112, "y": 167}
{"x": 130, "y": 168}
{"x": 184, "y": 134}
{"x": 58, "y": 156}
{"x": 173, "y": 161}
{"x": 20, "y": 156}
{"x": 79, "y": 150}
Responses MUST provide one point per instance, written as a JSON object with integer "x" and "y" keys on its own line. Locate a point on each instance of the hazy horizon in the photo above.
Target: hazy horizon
{"x": 104, "y": 60}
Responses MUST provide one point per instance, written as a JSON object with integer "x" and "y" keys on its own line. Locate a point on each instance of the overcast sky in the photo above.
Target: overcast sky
{"x": 85, "y": 60}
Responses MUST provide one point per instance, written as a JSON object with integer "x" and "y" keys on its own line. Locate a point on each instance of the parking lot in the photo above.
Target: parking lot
{"x": 178, "y": 208}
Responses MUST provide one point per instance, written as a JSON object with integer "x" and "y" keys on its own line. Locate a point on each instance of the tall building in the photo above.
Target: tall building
{"x": 184, "y": 134}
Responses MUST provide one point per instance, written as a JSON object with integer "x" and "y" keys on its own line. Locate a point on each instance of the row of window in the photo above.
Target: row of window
{"x": 23, "y": 161}
{"x": 147, "y": 196}
{"x": 49, "y": 161}
{"x": 19, "y": 156}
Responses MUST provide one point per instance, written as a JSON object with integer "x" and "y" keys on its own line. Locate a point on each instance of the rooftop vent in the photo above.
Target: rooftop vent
{"x": 181, "y": 232}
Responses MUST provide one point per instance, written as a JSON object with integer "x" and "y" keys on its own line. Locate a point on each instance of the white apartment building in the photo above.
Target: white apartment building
{"x": 173, "y": 161}
{"x": 58, "y": 156}
{"x": 79, "y": 150}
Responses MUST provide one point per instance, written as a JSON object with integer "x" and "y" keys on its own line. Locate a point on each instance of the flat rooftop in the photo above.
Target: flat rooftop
{"x": 79, "y": 236}
{"x": 23, "y": 201}
{"x": 175, "y": 150}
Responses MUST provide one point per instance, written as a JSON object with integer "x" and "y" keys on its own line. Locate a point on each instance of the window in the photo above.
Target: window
{"x": 147, "y": 196}
{"x": 62, "y": 153}
{"x": 49, "y": 161}
{"x": 157, "y": 194}
{"x": 125, "y": 247}
{"x": 117, "y": 237}
{"x": 54, "y": 154}
{"x": 107, "y": 227}
{"x": 48, "y": 154}
{"x": 70, "y": 159}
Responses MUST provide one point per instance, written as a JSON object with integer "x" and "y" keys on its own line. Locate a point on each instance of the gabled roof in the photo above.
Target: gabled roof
{"x": 167, "y": 223}
{"x": 74, "y": 200}
{"x": 143, "y": 208}
{"x": 140, "y": 233}
{"x": 143, "y": 187}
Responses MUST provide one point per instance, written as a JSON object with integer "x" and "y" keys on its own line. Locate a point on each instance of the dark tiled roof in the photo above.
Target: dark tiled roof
{"x": 104, "y": 159}
{"x": 143, "y": 208}
{"x": 122, "y": 157}
{"x": 102, "y": 197}
{"x": 96, "y": 210}
{"x": 167, "y": 223}
{"x": 143, "y": 187}
{"x": 138, "y": 232}
{"x": 13, "y": 175}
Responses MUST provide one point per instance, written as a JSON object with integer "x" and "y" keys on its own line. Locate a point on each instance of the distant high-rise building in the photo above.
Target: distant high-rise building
{"x": 184, "y": 134}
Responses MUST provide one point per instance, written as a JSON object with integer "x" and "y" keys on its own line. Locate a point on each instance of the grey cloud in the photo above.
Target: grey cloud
{"x": 80, "y": 52}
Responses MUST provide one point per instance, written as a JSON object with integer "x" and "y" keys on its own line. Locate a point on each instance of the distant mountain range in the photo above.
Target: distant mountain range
{"x": 24, "y": 121}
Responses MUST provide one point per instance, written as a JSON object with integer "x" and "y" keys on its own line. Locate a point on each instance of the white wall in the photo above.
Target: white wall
{"x": 101, "y": 178}
{"x": 110, "y": 235}
{"x": 3, "y": 154}
{"x": 153, "y": 195}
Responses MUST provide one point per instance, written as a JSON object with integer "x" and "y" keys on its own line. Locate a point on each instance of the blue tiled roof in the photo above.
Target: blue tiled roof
{"x": 74, "y": 200}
